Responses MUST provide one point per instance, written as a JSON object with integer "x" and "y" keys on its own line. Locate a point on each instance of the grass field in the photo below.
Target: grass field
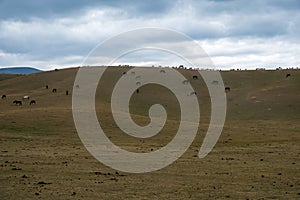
{"x": 256, "y": 157}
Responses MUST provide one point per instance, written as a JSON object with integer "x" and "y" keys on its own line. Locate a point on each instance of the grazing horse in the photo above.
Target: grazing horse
{"x": 227, "y": 89}
{"x": 54, "y": 90}
{"x": 195, "y": 77}
{"x": 26, "y": 98}
{"x": 3, "y": 96}
{"x": 215, "y": 82}
{"x": 288, "y": 75}
{"x": 193, "y": 93}
{"x": 46, "y": 87}
{"x": 32, "y": 102}
{"x": 67, "y": 92}
{"x": 185, "y": 82}
{"x": 162, "y": 71}
{"x": 137, "y": 90}
{"x": 17, "y": 102}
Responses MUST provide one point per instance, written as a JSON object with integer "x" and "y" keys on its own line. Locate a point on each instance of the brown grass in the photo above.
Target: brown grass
{"x": 257, "y": 156}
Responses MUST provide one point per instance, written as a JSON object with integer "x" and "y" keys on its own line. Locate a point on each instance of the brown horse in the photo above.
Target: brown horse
{"x": 17, "y": 102}
{"x": 32, "y": 102}
{"x": 227, "y": 89}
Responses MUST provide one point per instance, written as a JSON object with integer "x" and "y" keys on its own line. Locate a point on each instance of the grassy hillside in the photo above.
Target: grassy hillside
{"x": 257, "y": 155}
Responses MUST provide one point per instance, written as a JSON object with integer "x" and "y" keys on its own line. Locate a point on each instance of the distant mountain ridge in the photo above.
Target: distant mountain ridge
{"x": 19, "y": 70}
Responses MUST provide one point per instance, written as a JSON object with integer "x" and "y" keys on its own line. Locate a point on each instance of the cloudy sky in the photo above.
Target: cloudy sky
{"x": 245, "y": 34}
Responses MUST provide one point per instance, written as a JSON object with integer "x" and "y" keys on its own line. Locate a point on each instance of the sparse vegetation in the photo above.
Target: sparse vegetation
{"x": 256, "y": 157}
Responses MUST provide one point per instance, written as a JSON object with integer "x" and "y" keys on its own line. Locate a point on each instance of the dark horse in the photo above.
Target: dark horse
{"x": 227, "y": 89}
{"x": 195, "y": 77}
{"x": 4, "y": 96}
{"x": 17, "y": 102}
{"x": 288, "y": 75}
{"x": 193, "y": 93}
{"x": 32, "y": 102}
{"x": 54, "y": 90}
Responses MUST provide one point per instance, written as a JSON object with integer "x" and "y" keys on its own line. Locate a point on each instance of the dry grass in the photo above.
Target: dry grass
{"x": 257, "y": 156}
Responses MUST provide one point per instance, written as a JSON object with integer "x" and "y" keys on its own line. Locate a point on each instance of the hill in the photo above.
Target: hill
{"x": 19, "y": 70}
{"x": 256, "y": 157}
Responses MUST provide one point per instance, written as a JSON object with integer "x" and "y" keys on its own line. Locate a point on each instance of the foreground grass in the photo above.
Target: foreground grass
{"x": 257, "y": 156}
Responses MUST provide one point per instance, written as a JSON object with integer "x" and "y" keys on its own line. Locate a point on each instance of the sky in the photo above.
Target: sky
{"x": 235, "y": 33}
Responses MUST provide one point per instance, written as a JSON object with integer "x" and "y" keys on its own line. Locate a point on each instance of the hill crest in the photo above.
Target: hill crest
{"x": 19, "y": 70}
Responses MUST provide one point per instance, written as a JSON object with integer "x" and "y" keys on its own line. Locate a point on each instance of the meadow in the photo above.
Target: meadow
{"x": 256, "y": 157}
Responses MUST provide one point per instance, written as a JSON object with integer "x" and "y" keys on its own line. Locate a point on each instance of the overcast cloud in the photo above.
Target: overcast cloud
{"x": 244, "y": 34}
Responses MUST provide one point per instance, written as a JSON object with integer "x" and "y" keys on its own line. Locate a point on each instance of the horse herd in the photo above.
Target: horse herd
{"x": 54, "y": 90}
{"x": 138, "y": 83}
{"x": 185, "y": 82}
{"x": 19, "y": 103}
{"x": 26, "y": 98}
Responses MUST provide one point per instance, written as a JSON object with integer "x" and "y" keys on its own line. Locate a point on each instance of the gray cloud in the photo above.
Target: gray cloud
{"x": 233, "y": 32}
{"x": 24, "y": 10}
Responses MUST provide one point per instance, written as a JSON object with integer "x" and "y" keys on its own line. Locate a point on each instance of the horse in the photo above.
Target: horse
{"x": 227, "y": 89}
{"x": 3, "y": 96}
{"x": 137, "y": 90}
{"x": 215, "y": 82}
{"x": 195, "y": 77}
{"x": 46, "y": 87}
{"x": 193, "y": 93}
{"x": 67, "y": 92}
{"x": 162, "y": 71}
{"x": 288, "y": 75}
{"x": 26, "y": 97}
{"x": 17, "y": 102}
{"x": 32, "y": 102}
{"x": 54, "y": 90}
{"x": 185, "y": 82}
